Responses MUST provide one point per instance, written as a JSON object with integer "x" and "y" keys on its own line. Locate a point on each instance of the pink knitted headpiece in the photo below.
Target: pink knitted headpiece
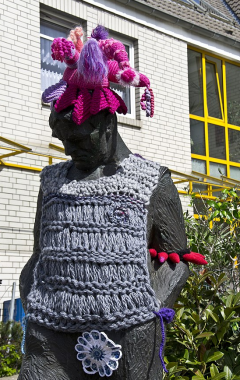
{"x": 90, "y": 68}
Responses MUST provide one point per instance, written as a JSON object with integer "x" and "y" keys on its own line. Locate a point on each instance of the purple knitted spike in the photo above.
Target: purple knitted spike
{"x": 92, "y": 64}
{"x": 54, "y": 92}
{"x": 99, "y": 33}
{"x": 166, "y": 315}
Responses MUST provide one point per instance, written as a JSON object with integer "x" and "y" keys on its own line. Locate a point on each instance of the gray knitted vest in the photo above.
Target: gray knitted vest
{"x": 92, "y": 271}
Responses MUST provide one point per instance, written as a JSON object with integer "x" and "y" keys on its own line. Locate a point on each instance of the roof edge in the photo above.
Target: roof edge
{"x": 150, "y": 10}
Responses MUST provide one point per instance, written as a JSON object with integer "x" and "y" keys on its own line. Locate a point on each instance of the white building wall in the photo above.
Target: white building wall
{"x": 164, "y": 138}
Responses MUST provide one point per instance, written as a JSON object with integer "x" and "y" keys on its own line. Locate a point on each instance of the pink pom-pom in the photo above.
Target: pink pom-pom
{"x": 128, "y": 75}
{"x": 61, "y": 49}
{"x": 153, "y": 252}
{"x": 162, "y": 257}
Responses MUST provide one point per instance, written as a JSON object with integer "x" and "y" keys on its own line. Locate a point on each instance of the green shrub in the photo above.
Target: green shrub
{"x": 10, "y": 348}
{"x": 203, "y": 342}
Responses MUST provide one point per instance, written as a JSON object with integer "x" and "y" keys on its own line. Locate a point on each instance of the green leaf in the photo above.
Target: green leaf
{"x": 171, "y": 365}
{"x": 216, "y": 356}
{"x": 213, "y": 370}
{"x": 219, "y": 376}
{"x": 186, "y": 354}
{"x": 204, "y": 335}
{"x": 213, "y": 315}
{"x": 229, "y": 300}
{"x": 235, "y": 320}
{"x": 228, "y": 372}
{"x": 236, "y": 299}
{"x": 230, "y": 315}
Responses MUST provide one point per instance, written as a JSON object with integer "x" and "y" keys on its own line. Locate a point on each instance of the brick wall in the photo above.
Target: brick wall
{"x": 165, "y": 138}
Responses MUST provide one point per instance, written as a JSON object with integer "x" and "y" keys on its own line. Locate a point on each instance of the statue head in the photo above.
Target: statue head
{"x": 90, "y": 144}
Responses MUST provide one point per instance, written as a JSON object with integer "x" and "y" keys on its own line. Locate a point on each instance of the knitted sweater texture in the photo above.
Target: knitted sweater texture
{"x": 92, "y": 270}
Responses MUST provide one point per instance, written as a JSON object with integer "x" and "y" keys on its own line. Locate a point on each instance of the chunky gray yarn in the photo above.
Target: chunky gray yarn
{"x": 92, "y": 271}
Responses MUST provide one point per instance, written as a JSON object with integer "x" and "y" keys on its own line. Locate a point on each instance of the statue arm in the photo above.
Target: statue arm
{"x": 26, "y": 277}
{"x": 167, "y": 223}
{"x": 168, "y": 230}
{"x": 166, "y": 234}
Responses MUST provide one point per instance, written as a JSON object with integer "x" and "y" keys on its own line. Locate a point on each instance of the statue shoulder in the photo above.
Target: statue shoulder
{"x": 51, "y": 175}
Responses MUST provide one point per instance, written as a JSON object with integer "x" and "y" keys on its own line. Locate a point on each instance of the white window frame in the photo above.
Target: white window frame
{"x": 130, "y": 45}
{"x": 53, "y": 23}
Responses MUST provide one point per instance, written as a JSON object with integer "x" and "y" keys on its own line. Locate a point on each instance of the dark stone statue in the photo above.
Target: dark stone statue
{"x": 97, "y": 150}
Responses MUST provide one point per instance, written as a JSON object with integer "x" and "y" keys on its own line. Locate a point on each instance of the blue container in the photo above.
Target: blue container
{"x": 18, "y": 314}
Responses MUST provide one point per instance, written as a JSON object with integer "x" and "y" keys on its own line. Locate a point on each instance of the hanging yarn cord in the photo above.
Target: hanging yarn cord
{"x": 25, "y": 320}
{"x": 165, "y": 315}
{"x": 147, "y": 102}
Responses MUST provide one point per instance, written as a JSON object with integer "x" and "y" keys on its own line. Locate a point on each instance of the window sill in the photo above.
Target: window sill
{"x": 129, "y": 121}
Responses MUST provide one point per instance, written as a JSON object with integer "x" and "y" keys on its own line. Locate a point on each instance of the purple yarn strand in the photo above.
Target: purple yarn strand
{"x": 99, "y": 33}
{"x": 167, "y": 315}
{"x": 92, "y": 64}
{"x": 148, "y": 102}
{"x": 54, "y": 92}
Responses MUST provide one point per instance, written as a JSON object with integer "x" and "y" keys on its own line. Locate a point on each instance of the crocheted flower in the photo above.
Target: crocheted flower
{"x": 119, "y": 215}
{"x": 98, "y": 353}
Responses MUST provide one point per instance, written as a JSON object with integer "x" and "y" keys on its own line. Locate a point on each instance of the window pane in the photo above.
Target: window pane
{"x": 199, "y": 206}
{"x": 197, "y": 137}
{"x": 52, "y": 30}
{"x": 234, "y": 145}
{"x": 216, "y": 170}
{"x": 124, "y": 92}
{"x": 235, "y": 173}
{"x": 198, "y": 166}
{"x": 233, "y": 93}
{"x": 216, "y": 138}
{"x": 195, "y": 83}
{"x": 219, "y": 70}
{"x": 51, "y": 71}
{"x": 217, "y": 193}
{"x": 213, "y": 101}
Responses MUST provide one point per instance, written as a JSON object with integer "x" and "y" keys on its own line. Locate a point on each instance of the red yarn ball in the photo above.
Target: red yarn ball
{"x": 174, "y": 257}
{"x": 153, "y": 252}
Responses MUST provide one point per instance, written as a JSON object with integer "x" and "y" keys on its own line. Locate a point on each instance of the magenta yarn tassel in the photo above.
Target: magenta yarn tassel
{"x": 166, "y": 315}
{"x": 54, "y": 92}
{"x": 147, "y": 102}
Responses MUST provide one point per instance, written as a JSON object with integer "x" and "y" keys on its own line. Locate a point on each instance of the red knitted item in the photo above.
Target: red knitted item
{"x": 67, "y": 99}
{"x": 81, "y": 110}
{"x": 195, "y": 258}
{"x": 174, "y": 257}
{"x": 162, "y": 257}
{"x": 153, "y": 252}
{"x": 98, "y": 101}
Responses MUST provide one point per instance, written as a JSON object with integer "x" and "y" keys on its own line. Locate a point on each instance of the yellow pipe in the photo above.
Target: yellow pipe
{"x": 56, "y": 147}
{"x": 11, "y": 154}
{"x": 3, "y": 163}
{"x": 10, "y": 142}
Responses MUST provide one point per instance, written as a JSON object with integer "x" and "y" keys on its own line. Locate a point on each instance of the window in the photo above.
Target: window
{"x": 126, "y": 93}
{"x": 214, "y": 107}
{"x": 52, "y": 71}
